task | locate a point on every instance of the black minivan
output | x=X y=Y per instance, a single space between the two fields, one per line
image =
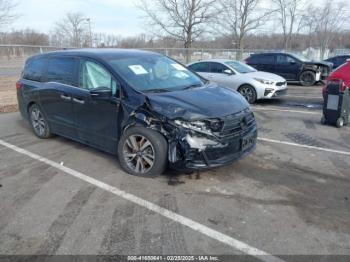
x=145 y=107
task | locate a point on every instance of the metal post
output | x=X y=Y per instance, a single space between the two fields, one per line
x=90 y=32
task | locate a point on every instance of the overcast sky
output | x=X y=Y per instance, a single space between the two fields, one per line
x=119 y=17
x=110 y=16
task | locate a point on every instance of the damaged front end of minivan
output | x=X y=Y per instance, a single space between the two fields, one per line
x=196 y=139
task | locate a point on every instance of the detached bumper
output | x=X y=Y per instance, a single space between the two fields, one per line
x=224 y=152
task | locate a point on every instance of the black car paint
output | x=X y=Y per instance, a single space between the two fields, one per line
x=291 y=71
x=337 y=60
x=214 y=102
x=158 y=111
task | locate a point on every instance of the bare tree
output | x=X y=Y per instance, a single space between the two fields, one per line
x=73 y=30
x=7 y=14
x=330 y=20
x=308 y=24
x=289 y=15
x=240 y=18
x=183 y=20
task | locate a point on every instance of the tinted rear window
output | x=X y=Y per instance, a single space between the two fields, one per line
x=200 y=67
x=262 y=59
x=61 y=70
x=34 y=69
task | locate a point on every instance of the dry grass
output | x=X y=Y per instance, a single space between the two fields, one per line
x=8 y=99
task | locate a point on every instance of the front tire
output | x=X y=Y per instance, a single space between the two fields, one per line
x=142 y=152
x=340 y=122
x=307 y=78
x=249 y=93
x=38 y=122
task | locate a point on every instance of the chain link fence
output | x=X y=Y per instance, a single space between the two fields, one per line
x=24 y=51
x=12 y=57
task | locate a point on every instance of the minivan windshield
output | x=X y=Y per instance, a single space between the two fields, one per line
x=240 y=67
x=154 y=73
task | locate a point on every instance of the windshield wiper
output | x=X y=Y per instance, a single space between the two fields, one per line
x=156 y=90
x=192 y=86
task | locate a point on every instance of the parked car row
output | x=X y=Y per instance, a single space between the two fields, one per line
x=252 y=84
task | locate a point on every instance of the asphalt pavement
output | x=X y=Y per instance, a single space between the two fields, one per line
x=290 y=197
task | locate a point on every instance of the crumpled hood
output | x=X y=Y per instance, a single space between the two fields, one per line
x=206 y=102
x=265 y=76
x=320 y=63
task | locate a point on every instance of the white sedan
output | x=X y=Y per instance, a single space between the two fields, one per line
x=252 y=84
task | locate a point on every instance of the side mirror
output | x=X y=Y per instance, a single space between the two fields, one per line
x=228 y=72
x=101 y=93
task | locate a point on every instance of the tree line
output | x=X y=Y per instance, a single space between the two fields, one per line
x=238 y=24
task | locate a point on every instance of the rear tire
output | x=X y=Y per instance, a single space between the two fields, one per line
x=307 y=78
x=248 y=92
x=142 y=152
x=323 y=120
x=38 y=122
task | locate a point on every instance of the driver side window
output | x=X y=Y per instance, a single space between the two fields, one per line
x=290 y=59
x=218 y=68
x=284 y=59
x=93 y=75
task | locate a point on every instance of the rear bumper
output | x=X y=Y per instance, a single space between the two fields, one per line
x=21 y=105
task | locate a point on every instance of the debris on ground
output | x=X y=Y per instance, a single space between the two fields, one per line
x=174 y=181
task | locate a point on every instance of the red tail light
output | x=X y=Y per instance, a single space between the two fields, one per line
x=19 y=85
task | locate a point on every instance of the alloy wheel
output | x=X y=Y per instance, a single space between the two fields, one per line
x=38 y=121
x=247 y=92
x=138 y=153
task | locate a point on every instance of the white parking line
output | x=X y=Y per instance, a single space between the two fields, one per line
x=230 y=241
x=285 y=110
x=304 y=146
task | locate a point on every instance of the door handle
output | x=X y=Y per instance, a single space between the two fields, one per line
x=79 y=101
x=65 y=97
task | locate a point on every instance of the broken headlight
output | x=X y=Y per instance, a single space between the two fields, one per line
x=216 y=125
x=204 y=126
x=199 y=126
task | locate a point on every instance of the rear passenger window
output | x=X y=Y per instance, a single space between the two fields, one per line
x=200 y=67
x=252 y=59
x=61 y=70
x=34 y=69
x=267 y=59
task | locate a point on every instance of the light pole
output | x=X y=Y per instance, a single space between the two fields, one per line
x=90 y=32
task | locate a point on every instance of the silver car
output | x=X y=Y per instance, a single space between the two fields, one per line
x=252 y=84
